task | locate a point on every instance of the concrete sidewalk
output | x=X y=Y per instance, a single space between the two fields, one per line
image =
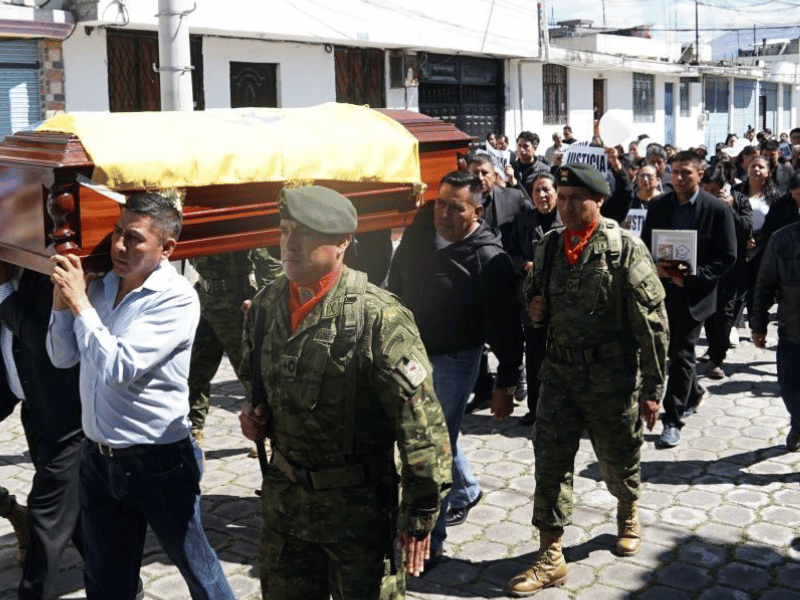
x=721 y=512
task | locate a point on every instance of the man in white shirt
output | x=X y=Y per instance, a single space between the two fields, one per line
x=132 y=332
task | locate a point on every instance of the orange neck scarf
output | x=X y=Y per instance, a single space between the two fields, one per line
x=576 y=241
x=302 y=299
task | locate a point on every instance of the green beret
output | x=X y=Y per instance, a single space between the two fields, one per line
x=583 y=175
x=319 y=208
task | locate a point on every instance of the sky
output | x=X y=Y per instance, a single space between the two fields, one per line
x=680 y=14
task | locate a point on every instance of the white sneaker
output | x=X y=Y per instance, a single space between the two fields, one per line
x=733 y=338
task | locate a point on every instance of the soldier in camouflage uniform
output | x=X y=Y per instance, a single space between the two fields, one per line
x=605 y=366
x=223 y=285
x=339 y=376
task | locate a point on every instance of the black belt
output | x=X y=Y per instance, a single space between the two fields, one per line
x=129 y=451
x=590 y=354
x=221 y=286
x=331 y=478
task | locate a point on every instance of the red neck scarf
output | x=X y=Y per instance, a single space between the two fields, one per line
x=576 y=241
x=302 y=299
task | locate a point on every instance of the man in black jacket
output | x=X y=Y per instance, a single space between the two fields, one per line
x=691 y=298
x=779 y=276
x=451 y=271
x=501 y=205
x=51 y=416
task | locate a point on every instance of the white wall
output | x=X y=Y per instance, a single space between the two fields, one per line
x=86 y=70
x=503 y=28
x=305 y=71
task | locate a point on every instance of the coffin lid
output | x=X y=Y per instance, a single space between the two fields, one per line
x=332 y=141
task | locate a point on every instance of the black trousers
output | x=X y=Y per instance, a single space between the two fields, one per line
x=718 y=326
x=683 y=389
x=535 y=346
x=53 y=509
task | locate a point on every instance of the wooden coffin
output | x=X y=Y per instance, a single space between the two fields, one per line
x=44 y=209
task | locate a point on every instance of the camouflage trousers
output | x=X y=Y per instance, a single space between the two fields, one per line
x=616 y=433
x=219 y=331
x=350 y=569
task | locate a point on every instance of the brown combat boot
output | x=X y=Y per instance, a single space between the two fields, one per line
x=629 y=532
x=548 y=569
x=19 y=521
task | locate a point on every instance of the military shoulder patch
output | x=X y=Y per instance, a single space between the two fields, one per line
x=413 y=370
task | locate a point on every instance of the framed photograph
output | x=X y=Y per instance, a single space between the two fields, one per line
x=678 y=246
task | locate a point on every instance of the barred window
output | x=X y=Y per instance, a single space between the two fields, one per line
x=554 y=85
x=644 y=95
x=684 y=97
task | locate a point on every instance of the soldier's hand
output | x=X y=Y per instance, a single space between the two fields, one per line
x=649 y=410
x=417 y=551
x=502 y=404
x=760 y=340
x=253 y=422
x=537 y=309
x=246 y=304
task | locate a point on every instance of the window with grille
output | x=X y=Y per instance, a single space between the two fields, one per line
x=644 y=98
x=554 y=87
x=684 y=97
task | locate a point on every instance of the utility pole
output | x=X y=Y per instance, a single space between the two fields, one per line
x=696 y=33
x=175 y=68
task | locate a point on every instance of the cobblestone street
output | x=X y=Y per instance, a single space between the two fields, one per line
x=721 y=512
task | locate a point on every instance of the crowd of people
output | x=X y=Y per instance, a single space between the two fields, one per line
x=357 y=383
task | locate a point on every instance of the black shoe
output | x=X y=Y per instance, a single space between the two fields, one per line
x=793 y=440
x=527 y=419
x=457 y=516
x=521 y=392
x=480 y=400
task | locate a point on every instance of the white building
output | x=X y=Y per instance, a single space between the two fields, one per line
x=486 y=66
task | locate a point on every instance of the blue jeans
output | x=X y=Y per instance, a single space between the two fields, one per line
x=787 y=357
x=454 y=377
x=119 y=497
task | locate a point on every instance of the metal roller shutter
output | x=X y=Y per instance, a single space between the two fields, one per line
x=744 y=105
x=20 y=103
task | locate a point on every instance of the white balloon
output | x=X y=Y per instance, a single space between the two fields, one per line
x=615 y=127
x=740 y=144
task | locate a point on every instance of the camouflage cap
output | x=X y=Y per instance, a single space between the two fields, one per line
x=319 y=208
x=583 y=175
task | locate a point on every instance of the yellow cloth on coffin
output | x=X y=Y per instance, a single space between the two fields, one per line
x=150 y=150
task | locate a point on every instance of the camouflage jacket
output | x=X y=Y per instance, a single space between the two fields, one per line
x=609 y=307
x=239 y=265
x=305 y=379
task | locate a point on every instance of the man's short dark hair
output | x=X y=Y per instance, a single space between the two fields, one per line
x=655 y=149
x=770 y=144
x=527 y=135
x=164 y=214
x=794 y=181
x=503 y=137
x=462 y=179
x=795 y=130
x=567 y=128
x=689 y=156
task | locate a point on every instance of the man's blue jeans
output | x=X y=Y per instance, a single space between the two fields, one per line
x=787 y=357
x=119 y=497
x=454 y=376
